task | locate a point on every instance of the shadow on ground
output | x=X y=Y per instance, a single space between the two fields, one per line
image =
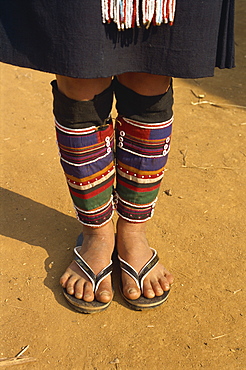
x=45 y=227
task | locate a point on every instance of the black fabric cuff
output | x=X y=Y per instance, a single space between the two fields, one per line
x=148 y=109
x=81 y=114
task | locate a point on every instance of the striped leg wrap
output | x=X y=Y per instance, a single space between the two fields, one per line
x=143 y=134
x=142 y=151
x=85 y=139
x=87 y=160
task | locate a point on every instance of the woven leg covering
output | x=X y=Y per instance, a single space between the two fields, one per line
x=85 y=138
x=143 y=134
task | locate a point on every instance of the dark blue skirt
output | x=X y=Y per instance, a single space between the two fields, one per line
x=68 y=38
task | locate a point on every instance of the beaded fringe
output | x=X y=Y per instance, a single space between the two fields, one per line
x=128 y=13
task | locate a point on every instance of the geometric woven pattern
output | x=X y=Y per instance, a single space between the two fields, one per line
x=88 y=162
x=141 y=154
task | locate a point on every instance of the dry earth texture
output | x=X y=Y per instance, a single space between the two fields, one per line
x=198 y=230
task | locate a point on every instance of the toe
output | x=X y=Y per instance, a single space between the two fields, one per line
x=169 y=277
x=70 y=285
x=164 y=284
x=130 y=289
x=104 y=296
x=104 y=292
x=87 y=294
x=64 y=278
x=79 y=288
x=166 y=280
x=156 y=286
x=148 y=290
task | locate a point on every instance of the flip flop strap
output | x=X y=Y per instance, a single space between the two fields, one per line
x=145 y=270
x=94 y=279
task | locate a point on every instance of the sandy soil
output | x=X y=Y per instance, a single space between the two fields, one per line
x=199 y=232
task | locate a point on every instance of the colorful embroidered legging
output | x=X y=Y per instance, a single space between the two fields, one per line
x=85 y=138
x=143 y=134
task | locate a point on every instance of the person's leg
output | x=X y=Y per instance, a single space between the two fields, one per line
x=85 y=140
x=144 y=104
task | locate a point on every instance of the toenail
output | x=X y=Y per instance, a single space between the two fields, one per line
x=104 y=292
x=132 y=291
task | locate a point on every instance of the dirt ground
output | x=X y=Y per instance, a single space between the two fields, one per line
x=199 y=232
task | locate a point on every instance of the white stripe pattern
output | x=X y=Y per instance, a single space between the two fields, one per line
x=75 y=131
x=149 y=126
x=97 y=209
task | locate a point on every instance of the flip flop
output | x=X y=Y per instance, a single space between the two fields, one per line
x=142 y=303
x=79 y=304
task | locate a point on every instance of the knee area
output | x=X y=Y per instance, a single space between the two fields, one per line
x=82 y=89
x=145 y=83
x=148 y=109
x=77 y=114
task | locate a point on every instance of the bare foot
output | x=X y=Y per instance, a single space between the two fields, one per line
x=97 y=249
x=133 y=247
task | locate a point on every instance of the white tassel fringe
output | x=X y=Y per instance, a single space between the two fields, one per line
x=126 y=13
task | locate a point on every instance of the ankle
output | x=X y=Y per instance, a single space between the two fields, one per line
x=124 y=226
x=105 y=229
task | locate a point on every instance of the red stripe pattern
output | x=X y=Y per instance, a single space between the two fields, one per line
x=142 y=151
x=88 y=162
